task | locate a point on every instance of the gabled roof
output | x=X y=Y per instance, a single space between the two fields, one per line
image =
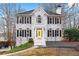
x=51 y=13
x=27 y=12
x=30 y=11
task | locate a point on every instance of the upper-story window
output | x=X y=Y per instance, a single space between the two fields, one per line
x=23 y=20
x=53 y=20
x=38 y=19
x=50 y=20
x=56 y=20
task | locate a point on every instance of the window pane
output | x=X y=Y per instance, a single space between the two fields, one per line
x=57 y=20
x=53 y=33
x=20 y=20
x=25 y=33
x=60 y=20
x=30 y=33
x=57 y=34
x=22 y=33
x=50 y=33
x=53 y=20
x=39 y=19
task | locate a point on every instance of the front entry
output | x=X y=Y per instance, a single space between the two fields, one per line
x=39 y=37
x=39 y=33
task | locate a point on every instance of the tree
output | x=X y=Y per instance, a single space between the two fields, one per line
x=8 y=12
x=72 y=16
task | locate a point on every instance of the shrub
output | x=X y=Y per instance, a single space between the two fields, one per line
x=71 y=34
x=30 y=40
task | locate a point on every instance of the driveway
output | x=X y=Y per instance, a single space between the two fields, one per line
x=61 y=44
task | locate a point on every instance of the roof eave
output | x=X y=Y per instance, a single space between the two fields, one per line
x=56 y=15
x=23 y=14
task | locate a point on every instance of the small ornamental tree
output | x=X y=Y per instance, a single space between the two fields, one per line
x=71 y=34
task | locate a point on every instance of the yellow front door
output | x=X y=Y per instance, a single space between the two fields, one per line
x=39 y=33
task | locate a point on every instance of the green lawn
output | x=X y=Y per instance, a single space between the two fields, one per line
x=21 y=47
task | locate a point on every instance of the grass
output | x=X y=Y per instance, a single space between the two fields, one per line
x=21 y=47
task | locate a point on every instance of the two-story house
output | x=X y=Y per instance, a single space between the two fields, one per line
x=40 y=25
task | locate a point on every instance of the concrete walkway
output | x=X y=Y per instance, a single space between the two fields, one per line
x=11 y=54
x=4 y=49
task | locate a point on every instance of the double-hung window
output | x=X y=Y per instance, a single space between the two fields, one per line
x=38 y=19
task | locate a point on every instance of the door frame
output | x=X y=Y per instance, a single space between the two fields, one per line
x=39 y=33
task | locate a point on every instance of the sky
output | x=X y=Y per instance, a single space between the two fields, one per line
x=29 y=6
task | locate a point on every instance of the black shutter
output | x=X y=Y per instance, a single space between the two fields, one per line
x=53 y=20
x=60 y=33
x=17 y=33
x=47 y=33
x=25 y=20
x=20 y=19
x=53 y=33
x=30 y=20
x=50 y=21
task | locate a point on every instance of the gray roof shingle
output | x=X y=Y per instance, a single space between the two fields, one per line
x=50 y=12
x=27 y=12
x=30 y=11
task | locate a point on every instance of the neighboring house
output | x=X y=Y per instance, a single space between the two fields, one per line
x=2 y=36
x=39 y=24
